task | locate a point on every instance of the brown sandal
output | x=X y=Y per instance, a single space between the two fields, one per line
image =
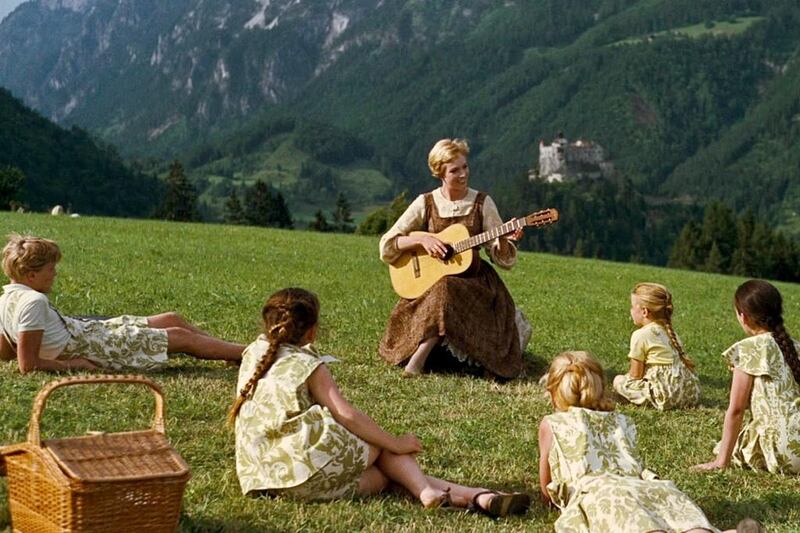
x=502 y=504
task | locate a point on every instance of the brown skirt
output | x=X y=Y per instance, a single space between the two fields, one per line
x=473 y=312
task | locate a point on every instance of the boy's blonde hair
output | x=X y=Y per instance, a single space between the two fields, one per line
x=576 y=379
x=445 y=151
x=658 y=301
x=26 y=253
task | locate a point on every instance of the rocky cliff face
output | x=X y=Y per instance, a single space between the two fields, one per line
x=144 y=71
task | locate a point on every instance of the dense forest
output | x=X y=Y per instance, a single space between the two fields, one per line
x=68 y=167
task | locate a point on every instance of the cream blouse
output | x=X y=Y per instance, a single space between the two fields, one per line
x=414 y=220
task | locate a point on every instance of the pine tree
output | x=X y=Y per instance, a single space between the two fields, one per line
x=180 y=198
x=234 y=212
x=320 y=222
x=258 y=204
x=263 y=207
x=11 y=180
x=342 y=217
x=719 y=226
x=714 y=261
x=280 y=216
x=686 y=252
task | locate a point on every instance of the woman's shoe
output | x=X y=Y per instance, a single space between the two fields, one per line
x=501 y=504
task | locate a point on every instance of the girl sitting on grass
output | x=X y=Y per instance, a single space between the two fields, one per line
x=589 y=466
x=766 y=373
x=41 y=338
x=296 y=435
x=660 y=373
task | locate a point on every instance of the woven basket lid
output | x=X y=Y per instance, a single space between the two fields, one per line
x=130 y=456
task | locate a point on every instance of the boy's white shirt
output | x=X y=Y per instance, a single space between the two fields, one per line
x=33 y=312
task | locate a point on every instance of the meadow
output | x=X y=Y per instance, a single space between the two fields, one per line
x=474 y=430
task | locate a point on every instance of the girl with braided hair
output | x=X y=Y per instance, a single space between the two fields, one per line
x=766 y=373
x=298 y=437
x=589 y=466
x=660 y=374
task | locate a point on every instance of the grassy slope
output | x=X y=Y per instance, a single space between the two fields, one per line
x=474 y=431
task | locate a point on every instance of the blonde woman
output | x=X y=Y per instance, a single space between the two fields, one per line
x=589 y=466
x=660 y=374
x=472 y=314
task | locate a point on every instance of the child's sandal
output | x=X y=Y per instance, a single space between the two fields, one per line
x=501 y=504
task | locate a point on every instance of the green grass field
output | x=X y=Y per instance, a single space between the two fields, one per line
x=474 y=431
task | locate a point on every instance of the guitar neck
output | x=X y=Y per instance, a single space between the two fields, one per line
x=486 y=236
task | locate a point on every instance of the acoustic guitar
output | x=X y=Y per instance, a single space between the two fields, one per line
x=415 y=271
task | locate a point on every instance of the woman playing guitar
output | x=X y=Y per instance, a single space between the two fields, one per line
x=472 y=314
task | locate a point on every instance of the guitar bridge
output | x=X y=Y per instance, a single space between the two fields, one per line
x=415 y=263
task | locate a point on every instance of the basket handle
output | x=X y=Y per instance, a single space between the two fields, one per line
x=41 y=399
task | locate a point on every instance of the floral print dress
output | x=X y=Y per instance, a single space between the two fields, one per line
x=287 y=444
x=599 y=484
x=770 y=440
x=664 y=385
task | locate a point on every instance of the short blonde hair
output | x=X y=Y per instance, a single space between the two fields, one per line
x=576 y=379
x=445 y=151
x=26 y=253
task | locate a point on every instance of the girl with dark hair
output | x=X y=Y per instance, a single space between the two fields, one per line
x=297 y=437
x=766 y=373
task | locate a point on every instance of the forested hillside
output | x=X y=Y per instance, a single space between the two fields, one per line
x=69 y=167
x=693 y=100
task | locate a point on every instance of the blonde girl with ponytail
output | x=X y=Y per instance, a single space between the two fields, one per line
x=660 y=374
x=298 y=437
x=766 y=378
x=589 y=466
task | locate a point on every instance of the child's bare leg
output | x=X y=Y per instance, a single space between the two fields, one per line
x=372 y=480
x=173 y=320
x=416 y=363
x=460 y=495
x=404 y=470
x=202 y=346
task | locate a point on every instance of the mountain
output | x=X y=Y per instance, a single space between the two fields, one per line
x=692 y=99
x=69 y=167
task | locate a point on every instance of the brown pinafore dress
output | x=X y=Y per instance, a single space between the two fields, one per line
x=473 y=312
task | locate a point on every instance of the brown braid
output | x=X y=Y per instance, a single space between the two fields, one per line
x=658 y=301
x=762 y=305
x=287 y=315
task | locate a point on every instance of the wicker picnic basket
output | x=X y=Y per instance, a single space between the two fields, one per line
x=129 y=481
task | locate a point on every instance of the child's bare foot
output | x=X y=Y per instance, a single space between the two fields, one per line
x=433 y=499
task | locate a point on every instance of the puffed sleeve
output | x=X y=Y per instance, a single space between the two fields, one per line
x=639 y=345
x=756 y=355
x=411 y=220
x=491 y=219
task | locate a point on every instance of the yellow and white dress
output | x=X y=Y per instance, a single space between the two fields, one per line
x=667 y=382
x=770 y=440
x=285 y=443
x=600 y=485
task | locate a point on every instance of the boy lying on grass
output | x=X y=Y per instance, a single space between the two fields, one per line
x=41 y=338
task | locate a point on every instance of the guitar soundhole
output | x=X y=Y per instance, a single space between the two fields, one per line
x=449 y=253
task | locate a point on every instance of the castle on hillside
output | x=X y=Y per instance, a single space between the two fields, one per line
x=562 y=160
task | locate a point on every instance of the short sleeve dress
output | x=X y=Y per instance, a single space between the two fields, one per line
x=770 y=440
x=285 y=443
x=599 y=484
x=667 y=382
